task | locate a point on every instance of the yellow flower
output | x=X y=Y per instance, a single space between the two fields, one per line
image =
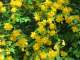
x=22 y=42
x=7 y=51
x=45 y=40
x=74 y=28
x=1 y=4
x=13 y=37
x=16 y=33
x=59 y=18
x=8 y=26
x=49 y=20
x=52 y=26
x=52 y=32
x=16 y=3
x=52 y=54
x=37 y=16
x=41 y=29
x=66 y=10
x=51 y=14
x=43 y=55
x=56 y=5
x=48 y=3
x=3 y=42
x=9 y=58
x=53 y=9
x=38 y=39
x=33 y=35
x=36 y=47
x=1 y=56
x=60 y=1
x=69 y=20
x=1 y=50
x=42 y=23
x=13 y=17
x=43 y=7
x=14 y=9
x=3 y=9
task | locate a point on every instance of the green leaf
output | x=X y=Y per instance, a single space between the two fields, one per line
x=12 y=50
x=30 y=1
x=68 y=58
x=58 y=58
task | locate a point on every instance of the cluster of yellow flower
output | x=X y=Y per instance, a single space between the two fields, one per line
x=2 y=7
x=8 y=26
x=50 y=54
x=8 y=56
x=48 y=15
x=14 y=4
x=47 y=26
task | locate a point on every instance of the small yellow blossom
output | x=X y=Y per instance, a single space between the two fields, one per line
x=36 y=47
x=14 y=9
x=59 y=18
x=49 y=20
x=16 y=33
x=13 y=37
x=51 y=33
x=53 y=9
x=41 y=29
x=51 y=13
x=46 y=41
x=74 y=28
x=33 y=35
x=13 y=17
x=3 y=42
x=48 y=3
x=1 y=4
x=52 y=26
x=56 y=5
x=8 y=26
x=3 y=9
x=7 y=51
x=38 y=39
x=43 y=55
x=37 y=16
x=43 y=7
x=66 y=10
x=16 y=3
x=52 y=54
x=1 y=50
x=49 y=42
x=60 y=1
x=43 y=23
x=9 y=58
x=69 y=20
x=1 y=56
x=22 y=42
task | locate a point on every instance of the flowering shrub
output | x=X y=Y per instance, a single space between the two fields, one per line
x=39 y=30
